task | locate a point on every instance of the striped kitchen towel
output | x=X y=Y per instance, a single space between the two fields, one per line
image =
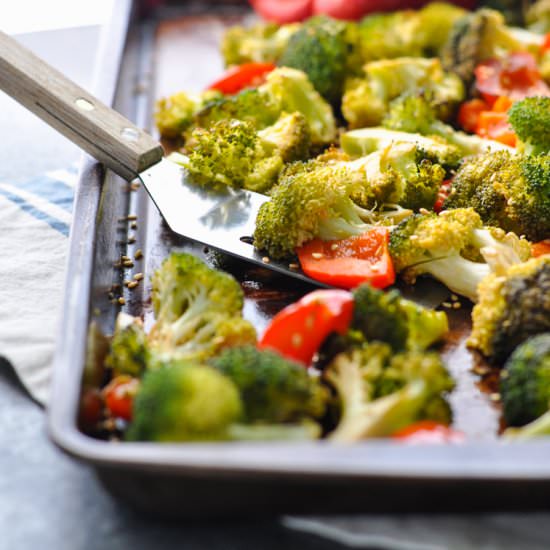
x=35 y=218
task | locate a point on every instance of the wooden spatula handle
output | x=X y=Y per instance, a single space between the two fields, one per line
x=100 y=131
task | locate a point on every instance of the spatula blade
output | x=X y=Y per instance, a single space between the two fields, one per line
x=223 y=219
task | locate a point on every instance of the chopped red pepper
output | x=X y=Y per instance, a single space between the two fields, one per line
x=119 y=395
x=347 y=263
x=299 y=329
x=429 y=431
x=541 y=248
x=494 y=125
x=443 y=193
x=240 y=76
x=469 y=112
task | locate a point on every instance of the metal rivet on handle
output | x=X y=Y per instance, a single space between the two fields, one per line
x=84 y=104
x=130 y=134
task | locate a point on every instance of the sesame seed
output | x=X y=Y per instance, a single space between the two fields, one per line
x=138 y=276
x=457 y=305
x=139 y=254
x=413 y=237
x=126 y=283
x=133 y=284
x=265 y=260
x=128 y=263
x=121 y=301
x=494 y=397
x=131 y=239
x=110 y=295
x=293 y=266
x=447 y=304
x=316 y=255
x=424 y=211
x=131 y=217
x=454 y=297
x=135 y=185
x=125 y=258
x=334 y=246
x=133 y=225
x=481 y=370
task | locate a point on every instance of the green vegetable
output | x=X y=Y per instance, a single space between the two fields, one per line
x=175 y=114
x=530 y=119
x=128 y=353
x=512 y=307
x=415 y=113
x=381 y=393
x=525 y=381
x=184 y=401
x=321 y=49
x=262 y=42
x=508 y=191
x=198 y=311
x=366 y=100
x=390 y=318
x=273 y=389
x=454 y=248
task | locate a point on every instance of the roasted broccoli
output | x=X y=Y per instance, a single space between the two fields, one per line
x=537 y=16
x=333 y=199
x=273 y=389
x=258 y=43
x=364 y=141
x=512 y=307
x=380 y=393
x=530 y=119
x=414 y=113
x=322 y=48
x=390 y=318
x=525 y=381
x=129 y=352
x=454 y=248
x=366 y=100
x=198 y=311
x=406 y=33
x=184 y=401
x=291 y=91
x=482 y=35
x=175 y=113
x=508 y=191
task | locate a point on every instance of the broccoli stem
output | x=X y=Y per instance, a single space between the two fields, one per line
x=381 y=417
x=459 y=275
x=537 y=428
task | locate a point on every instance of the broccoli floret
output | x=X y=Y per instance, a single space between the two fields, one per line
x=508 y=191
x=129 y=353
x=198 y=311
x=333 y=199
x=414 y=113
x=175 y=113
x=366 y=100
x=380 y=394
x=525 y=381
x=230 y=153
x=273 y=389
x=479 y=36
x=263 y=42
x=184 y=401
x=363 y=141
x=454 y=248
x=537 y=17
x=530 y=119
x=250 y=106
x=321 y=49
x=390 y=318
x=406 y=33
x=388 y=35
x=291 y=91
x=289 y=137
x=512 y=307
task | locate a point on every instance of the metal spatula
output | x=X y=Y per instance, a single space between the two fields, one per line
x=223 y=220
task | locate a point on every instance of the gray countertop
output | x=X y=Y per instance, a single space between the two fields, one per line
x=48 y=501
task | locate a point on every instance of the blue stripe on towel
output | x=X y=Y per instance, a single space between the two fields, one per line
x=52 y=190
x=63 y=228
